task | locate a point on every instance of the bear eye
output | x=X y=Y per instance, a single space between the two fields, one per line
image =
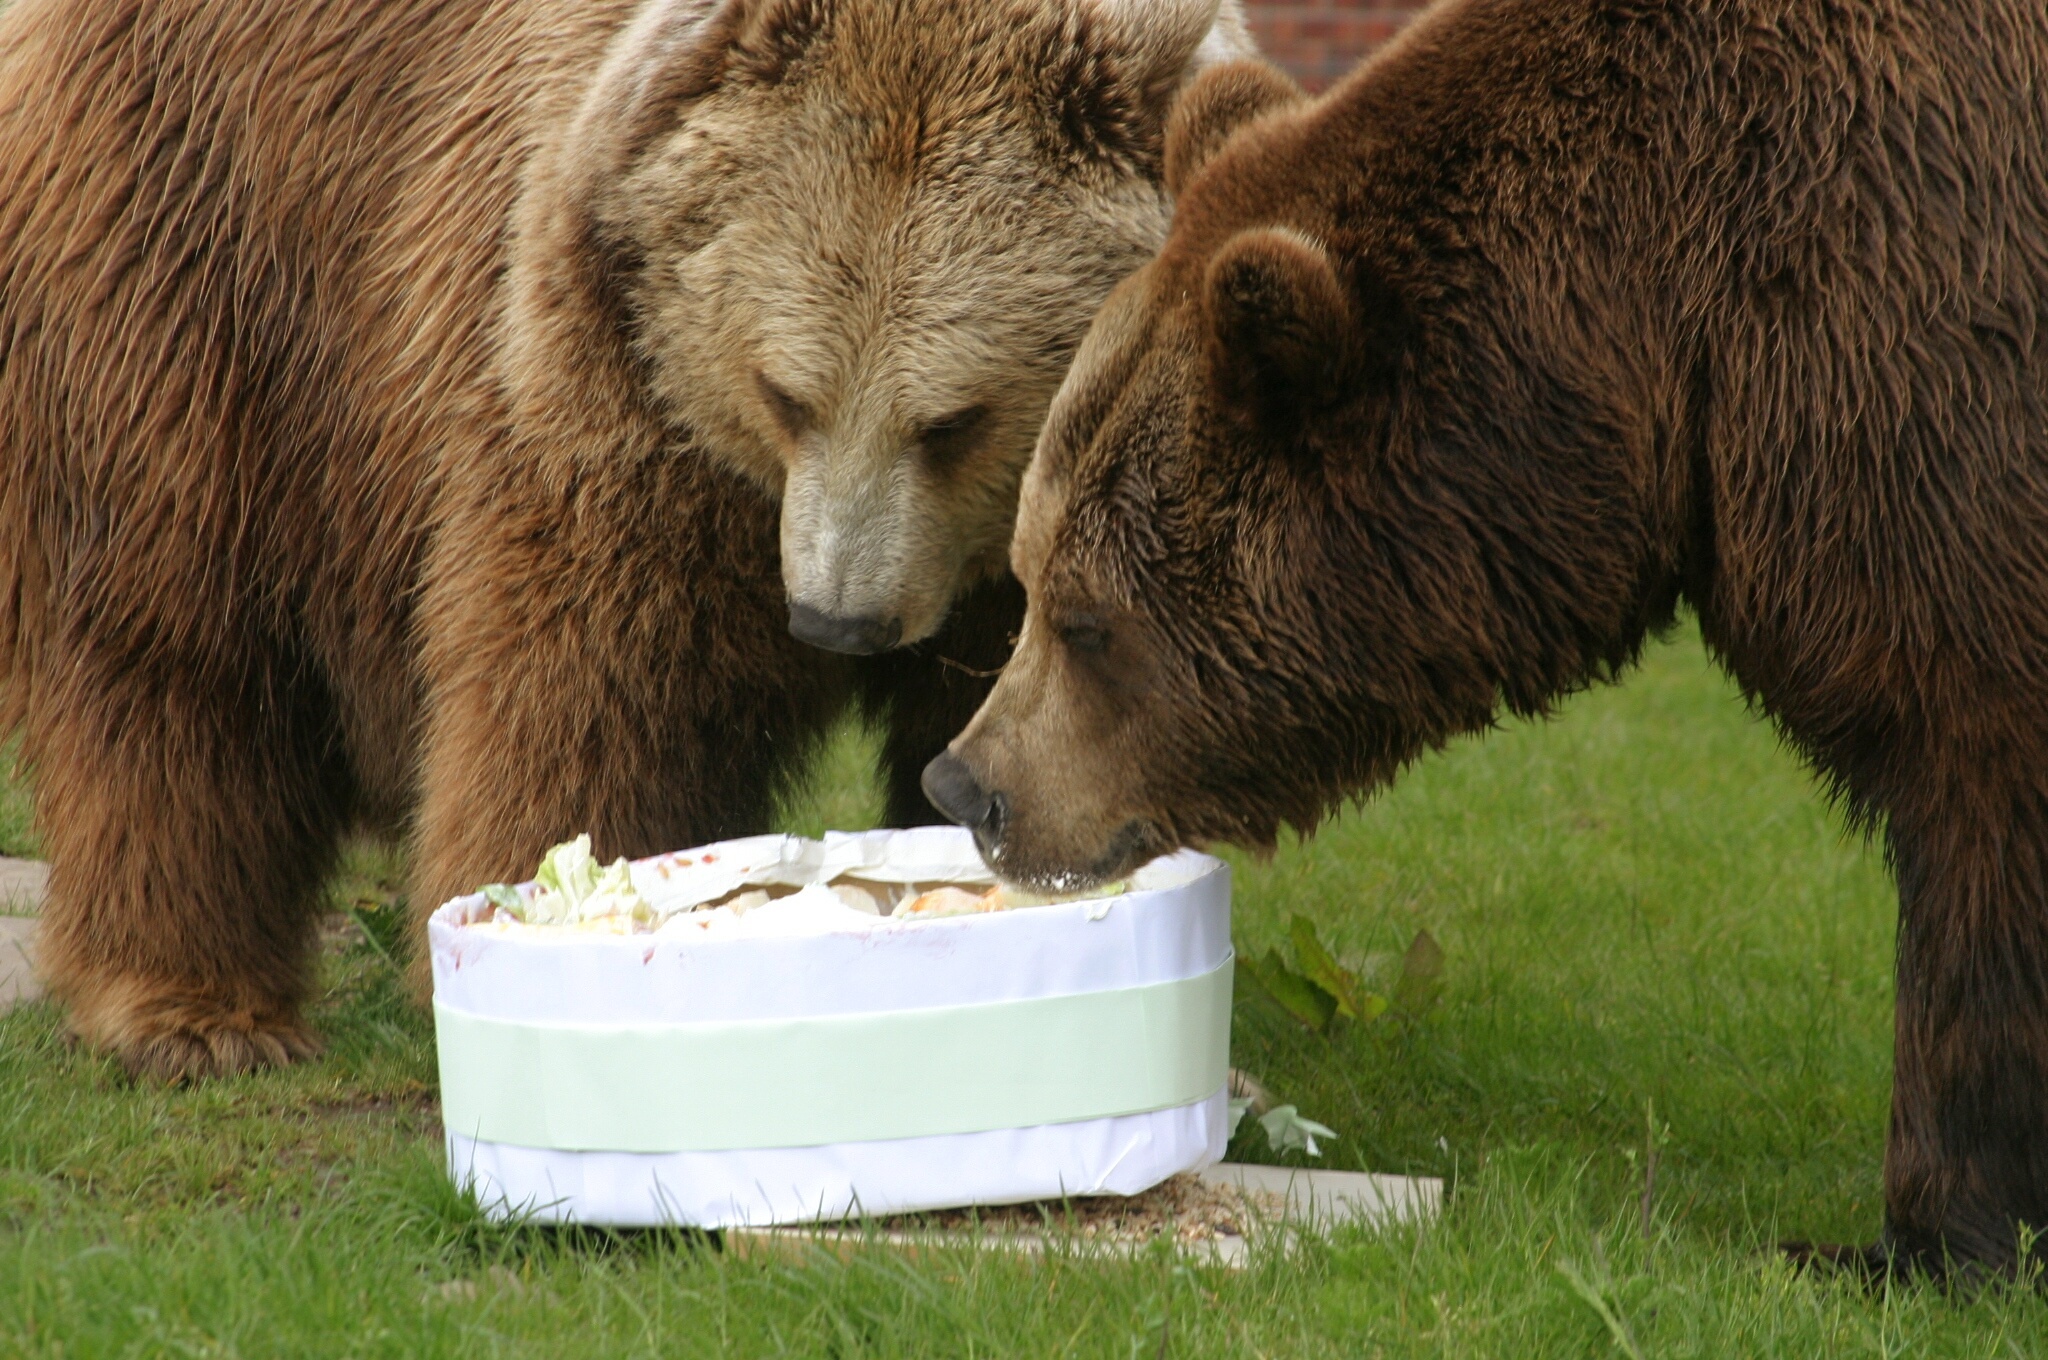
x=952 y=437
x=792 y=415
x=1084 y=633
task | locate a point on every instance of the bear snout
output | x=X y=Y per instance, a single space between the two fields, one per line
x=854 y=635
x=954 y=791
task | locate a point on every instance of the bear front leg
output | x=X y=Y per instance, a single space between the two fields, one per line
x=1966 y=1162
x=623 y=669
x=923 y=695
x=190 y=821
x=530 y=745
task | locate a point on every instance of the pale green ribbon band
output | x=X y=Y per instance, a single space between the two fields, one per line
x=711 y=1086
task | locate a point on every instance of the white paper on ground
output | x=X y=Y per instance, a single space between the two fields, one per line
x=1175 y=923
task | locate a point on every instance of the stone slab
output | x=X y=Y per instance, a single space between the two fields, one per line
x=22 y=882
x=1316 y=1201
x=1325 y=1199
x=17 y=970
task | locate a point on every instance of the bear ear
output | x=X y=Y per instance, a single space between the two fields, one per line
x=675 y=52
x=1280 y=327
x=1112 y=71
x=1220 y=101
x=1167 y=42
x=772 y=37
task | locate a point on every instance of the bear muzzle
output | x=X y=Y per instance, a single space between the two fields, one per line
x=956 y=793
x=855 y=636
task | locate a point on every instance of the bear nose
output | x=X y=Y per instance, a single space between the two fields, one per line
x=955 y=791
x=837 y=633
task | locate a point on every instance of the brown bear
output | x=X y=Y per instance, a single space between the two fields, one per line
x=1450 y=387
x=447 y=418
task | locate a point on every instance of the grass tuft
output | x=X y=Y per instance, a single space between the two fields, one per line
x=17 y=818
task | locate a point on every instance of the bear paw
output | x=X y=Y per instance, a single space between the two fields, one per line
x=1878 y=1264
x=1871 y=1263
x=183 y=1038
x=225 y=1047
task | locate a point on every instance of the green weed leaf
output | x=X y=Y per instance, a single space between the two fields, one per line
x=1296 y=995
x=1322 y=968
x=1320 y=989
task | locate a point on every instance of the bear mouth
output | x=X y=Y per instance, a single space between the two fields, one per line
x=1135 y=843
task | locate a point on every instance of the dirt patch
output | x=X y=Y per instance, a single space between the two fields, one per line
x=1193 y=1210
x=402 y=1104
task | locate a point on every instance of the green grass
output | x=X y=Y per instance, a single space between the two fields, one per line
x=17 y=837
x=1642 y=901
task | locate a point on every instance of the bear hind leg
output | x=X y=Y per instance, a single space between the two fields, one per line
x=189 y=828
x=1966 y=1158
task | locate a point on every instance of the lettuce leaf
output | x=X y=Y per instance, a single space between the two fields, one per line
x=1287 y=1130
x=573 y=888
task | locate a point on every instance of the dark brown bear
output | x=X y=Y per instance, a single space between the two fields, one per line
x=1449 y=388
x=437 y=415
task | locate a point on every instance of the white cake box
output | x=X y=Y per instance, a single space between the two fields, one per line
x=719 y=1079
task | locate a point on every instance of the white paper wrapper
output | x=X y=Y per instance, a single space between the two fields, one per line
x=1169 y=935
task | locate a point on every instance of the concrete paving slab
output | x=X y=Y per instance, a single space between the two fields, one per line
x=17 y=968
x=1316 y=1200
x=22 y=882
x=1324 y=1199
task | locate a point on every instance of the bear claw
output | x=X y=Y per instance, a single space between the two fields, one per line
x=1882 y=1263
x=179 y=1056
x=1870 y=1263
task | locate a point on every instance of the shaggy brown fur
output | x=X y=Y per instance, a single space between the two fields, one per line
x=1448 y=388
x=385 y=406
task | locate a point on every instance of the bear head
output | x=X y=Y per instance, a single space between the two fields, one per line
x=847 y=248
x=1211 y=651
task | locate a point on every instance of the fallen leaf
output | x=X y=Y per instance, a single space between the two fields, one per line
x=1421 y=975
x=1287 y=1130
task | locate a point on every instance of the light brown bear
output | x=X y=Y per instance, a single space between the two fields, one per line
x=1448 y=388
x=397 y=398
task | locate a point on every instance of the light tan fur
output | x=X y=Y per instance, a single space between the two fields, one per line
x=386 y=439
x=898 y=262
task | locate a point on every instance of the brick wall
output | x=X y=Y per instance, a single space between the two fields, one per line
x=1319 y=40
